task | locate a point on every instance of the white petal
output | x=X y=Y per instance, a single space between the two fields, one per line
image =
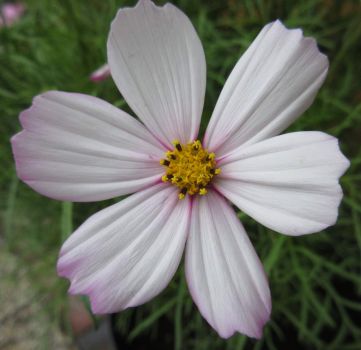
x=225 y=276
x=274 y=82
x=126 y=254
x=288 y=183
x=80 y=148
x=157 y=61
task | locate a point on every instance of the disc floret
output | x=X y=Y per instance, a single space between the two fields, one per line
x=189 y=167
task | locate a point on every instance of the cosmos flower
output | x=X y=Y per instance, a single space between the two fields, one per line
x=10 y=13
x=79 y=148
x=100 y=74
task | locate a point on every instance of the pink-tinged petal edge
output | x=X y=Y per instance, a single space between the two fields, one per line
x=289 y=183
x=157 y=62
x=224 y=275
x=126 y=254
x=272 y=84
x=79 y=148
x=102 y=73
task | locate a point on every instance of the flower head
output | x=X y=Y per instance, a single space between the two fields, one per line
x=10 y=13
x=190 y=168
x=80 y=148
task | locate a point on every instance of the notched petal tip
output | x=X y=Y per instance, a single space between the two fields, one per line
x=289 y=183
x=255 y=334
x=345 y=163
x=77 y=147
x=118 y=269
x=225 y=277
x=273 y=83
x=37 y=100
x=132 y=9
x=157 y=62
x=300 y=36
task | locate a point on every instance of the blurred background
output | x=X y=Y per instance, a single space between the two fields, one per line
x=315 y=280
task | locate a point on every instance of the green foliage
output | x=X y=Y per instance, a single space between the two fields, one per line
x=315 y=280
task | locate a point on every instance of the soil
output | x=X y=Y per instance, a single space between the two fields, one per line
x=24 y=324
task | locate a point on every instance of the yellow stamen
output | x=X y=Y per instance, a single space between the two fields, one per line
x=164 y=162
x=189 y=167
x=211 y=156
x=203 y=191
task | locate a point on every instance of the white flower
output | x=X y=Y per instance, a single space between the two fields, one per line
x=80 y=148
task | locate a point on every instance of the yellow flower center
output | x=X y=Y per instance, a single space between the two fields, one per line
x=189 y=167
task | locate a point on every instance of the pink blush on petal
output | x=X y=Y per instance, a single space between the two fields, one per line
x=102 y=73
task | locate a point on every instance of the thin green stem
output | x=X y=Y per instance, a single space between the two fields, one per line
x=178 y=329
x=66 y=220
